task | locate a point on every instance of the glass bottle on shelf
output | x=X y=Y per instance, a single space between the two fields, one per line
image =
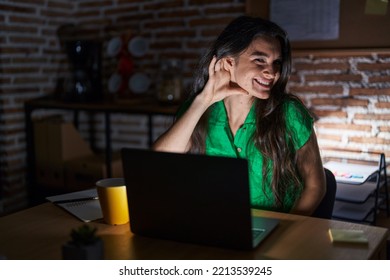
x=170 y=85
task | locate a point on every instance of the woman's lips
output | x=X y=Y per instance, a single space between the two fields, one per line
x=263 y=83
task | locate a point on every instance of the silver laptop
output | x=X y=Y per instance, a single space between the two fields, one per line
x=192 y=198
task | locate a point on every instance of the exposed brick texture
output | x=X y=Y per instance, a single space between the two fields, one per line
x=347 y=90
x=350 y=100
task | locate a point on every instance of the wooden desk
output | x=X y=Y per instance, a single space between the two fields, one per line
x=39 y=232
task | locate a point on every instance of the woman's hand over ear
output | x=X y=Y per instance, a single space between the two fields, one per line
x=219 y=85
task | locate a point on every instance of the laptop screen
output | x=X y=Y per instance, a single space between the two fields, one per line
x=186 y=197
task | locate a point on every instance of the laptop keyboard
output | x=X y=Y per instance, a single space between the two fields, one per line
x=256 y=232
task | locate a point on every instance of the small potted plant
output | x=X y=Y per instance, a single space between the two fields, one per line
x=84 y=245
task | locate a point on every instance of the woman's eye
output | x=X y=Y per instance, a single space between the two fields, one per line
x=278 y=62
x=260 y=60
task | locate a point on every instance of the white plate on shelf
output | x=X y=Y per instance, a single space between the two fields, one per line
x=138 y=46
x=114 y=46
x=114 y=83
x=139 y=83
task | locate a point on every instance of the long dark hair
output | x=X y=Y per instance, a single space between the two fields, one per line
x=270 y=137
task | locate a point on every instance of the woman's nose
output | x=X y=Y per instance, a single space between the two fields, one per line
x=270 y=71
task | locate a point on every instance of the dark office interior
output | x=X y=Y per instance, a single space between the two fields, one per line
x=131 y=49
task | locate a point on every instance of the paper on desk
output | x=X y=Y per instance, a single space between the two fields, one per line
x=86 y=211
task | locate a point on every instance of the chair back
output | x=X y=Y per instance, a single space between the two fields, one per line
x=325 y=208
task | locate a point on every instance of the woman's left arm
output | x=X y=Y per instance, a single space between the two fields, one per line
x=313 y=176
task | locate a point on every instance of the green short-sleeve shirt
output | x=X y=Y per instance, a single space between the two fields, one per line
x=220 y=142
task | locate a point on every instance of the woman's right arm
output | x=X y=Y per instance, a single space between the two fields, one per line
x=178 y=137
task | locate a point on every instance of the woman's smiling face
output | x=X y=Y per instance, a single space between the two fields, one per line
x=257 y=69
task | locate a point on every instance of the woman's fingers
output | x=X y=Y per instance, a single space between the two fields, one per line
x=218 y=65
x=219 y=84
x=215 y=66
x=212 y=66
x=224 y=86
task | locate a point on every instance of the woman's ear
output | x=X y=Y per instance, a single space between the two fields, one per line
x=228 y=63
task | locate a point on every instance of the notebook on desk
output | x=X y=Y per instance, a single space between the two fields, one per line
x=84 y=204
x=192 y=198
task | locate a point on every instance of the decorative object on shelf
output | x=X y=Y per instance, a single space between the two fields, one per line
x=126 y=81
x=138 y=46
x=83 y=83
x=84 y=245
x=114 y=83
x=170 y=84
x=114 y=46
x=139 y=83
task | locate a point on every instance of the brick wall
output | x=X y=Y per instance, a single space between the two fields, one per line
x=348 y=91
x=29 y=60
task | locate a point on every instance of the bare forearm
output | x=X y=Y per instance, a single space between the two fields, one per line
x=177 y=138
x=309 y=200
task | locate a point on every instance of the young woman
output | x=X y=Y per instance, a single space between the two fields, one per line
x=239 y=107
